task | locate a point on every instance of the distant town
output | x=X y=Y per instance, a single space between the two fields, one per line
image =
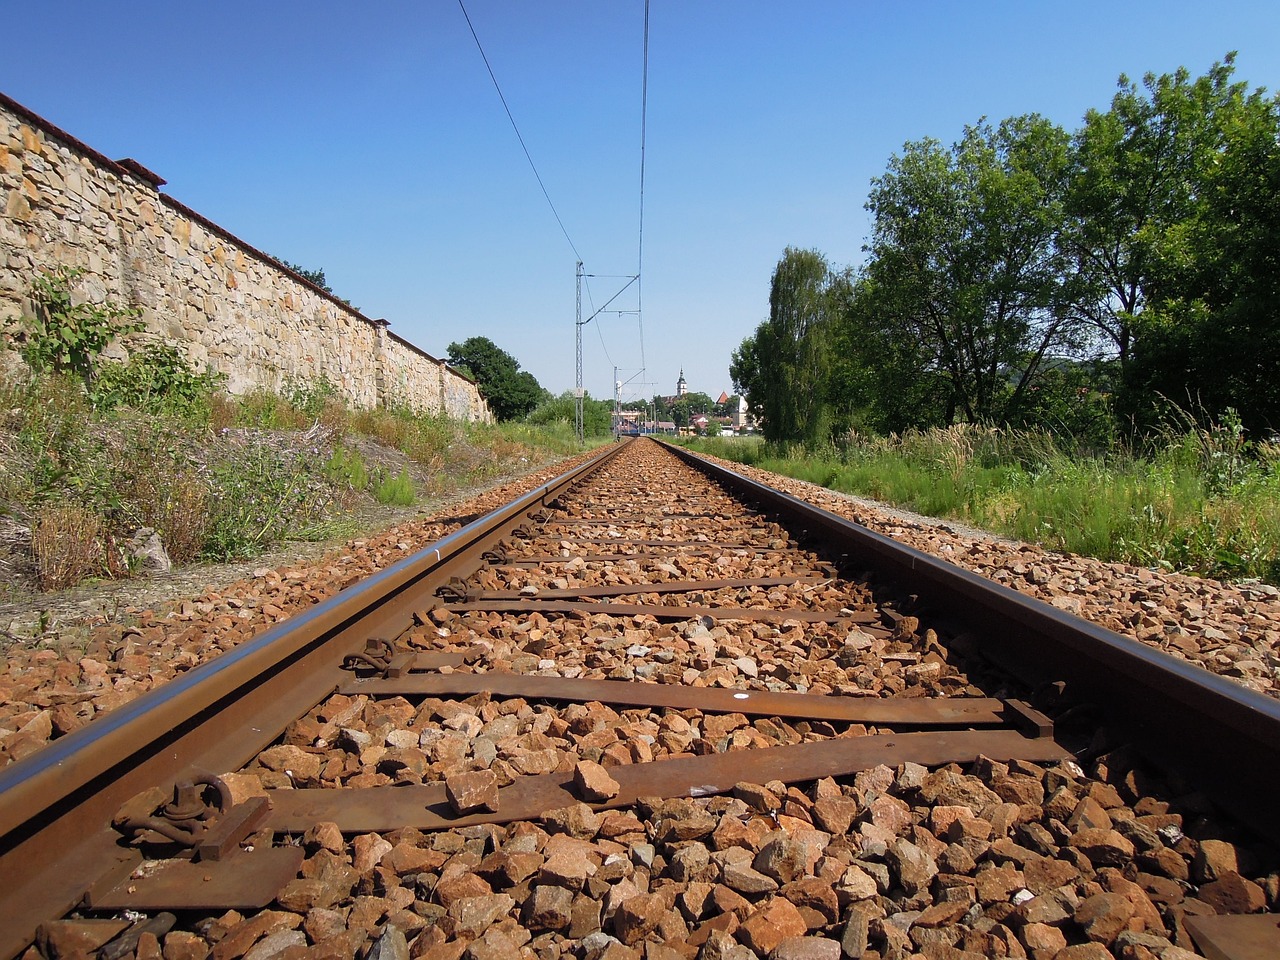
x=685 y=413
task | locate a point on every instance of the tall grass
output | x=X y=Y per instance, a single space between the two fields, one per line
x=1203 y=500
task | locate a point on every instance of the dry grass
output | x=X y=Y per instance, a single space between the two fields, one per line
x=68 y=543
x=184 y=519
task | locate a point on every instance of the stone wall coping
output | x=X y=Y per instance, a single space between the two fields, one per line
x=422 y=353
x=124 y=171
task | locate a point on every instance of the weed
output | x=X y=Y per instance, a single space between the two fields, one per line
x=397 y=490
x=341 y=528
x=259 y=497
x=173 y=499
x=1206 y=503
x=346 y=468
x=68 y=337
x=67 y=541
x=310 y=397
x=160 y=380
x=269 y=411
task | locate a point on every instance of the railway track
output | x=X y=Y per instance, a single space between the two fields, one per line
x=654 y=709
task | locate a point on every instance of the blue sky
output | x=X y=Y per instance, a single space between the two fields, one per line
x=368 y=140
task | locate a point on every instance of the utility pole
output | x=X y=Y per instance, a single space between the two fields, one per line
x=577 y=392
x=617 y=413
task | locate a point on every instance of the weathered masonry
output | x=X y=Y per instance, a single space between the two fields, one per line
x=231 y=307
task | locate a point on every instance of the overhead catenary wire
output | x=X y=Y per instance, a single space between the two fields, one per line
x=516 y=128
x=644 y=101
x=644 y=122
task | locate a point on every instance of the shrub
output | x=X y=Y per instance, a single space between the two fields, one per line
x=158 y=379
x=269 y=411
x=63 y=455
x=67 y=337
x=67 y=540
x=346 y=468
x=160 y=487
x=317 y=400
x=396 y=490
x=258 y=497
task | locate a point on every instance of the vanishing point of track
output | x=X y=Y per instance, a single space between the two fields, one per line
x=656 y=707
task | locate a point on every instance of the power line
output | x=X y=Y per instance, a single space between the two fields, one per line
x=644 y=122
x=600 y=333
x=528 y=157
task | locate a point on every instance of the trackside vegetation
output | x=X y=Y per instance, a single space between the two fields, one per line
x=1093 y=283
x=1203 y=501
x=1065 y=336
x=95 y=448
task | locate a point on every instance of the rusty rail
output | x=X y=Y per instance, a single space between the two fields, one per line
x=1222 y=736
x=56 y=807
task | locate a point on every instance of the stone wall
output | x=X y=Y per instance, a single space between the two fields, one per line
x=231 y=307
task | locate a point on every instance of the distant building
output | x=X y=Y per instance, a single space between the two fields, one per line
x=681 y=387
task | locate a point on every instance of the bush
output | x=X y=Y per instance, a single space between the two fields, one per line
x=317 y=400
x=259 y=497
x=346 y=468
x=67 y=541
x=160 y=486
x=266 y=410
x=68 y=337
x=157 y=379
x=63 y=456
x=397 y=490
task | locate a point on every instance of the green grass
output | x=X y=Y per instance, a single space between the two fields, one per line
x=1202 y=502
x=394 y=489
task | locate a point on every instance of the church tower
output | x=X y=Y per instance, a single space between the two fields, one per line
x=681 y=387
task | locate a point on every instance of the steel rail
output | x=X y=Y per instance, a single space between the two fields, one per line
x=56 y=806
x=1224 y=737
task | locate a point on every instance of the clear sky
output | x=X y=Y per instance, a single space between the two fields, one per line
x=368 y=140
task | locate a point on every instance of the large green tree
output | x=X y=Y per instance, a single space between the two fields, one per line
x=1138 y=175
x=1195 y=177
x=1027 y=276
x=965 y=263
x=509 y=391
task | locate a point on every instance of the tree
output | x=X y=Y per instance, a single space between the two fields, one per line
x=1138 y=172
x=1197 y=174
x=314 y=276
x=509 y=391
x=725 y=409
x=880 y=380
x=965 y=264
x=782 y=368
x=744 y=369
x=596 y=414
